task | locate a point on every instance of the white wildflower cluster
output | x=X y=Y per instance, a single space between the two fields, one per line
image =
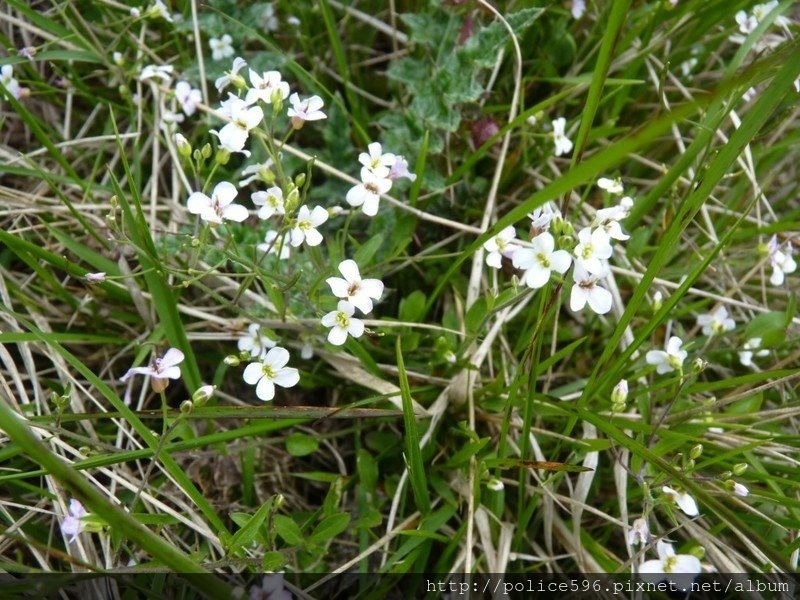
x=379 y=170
x=355 y=293
x=547 y=253
x=747 y=22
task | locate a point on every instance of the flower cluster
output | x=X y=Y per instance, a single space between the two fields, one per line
x=379 y=170
x=590 y=252
x=355 y=293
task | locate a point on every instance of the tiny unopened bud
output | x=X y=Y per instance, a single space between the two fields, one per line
x=232 y=360
x=689 y=465
x=277 y=101
x=292 y=200
x=696 y=451
x=300 y=180
x=203 y=394
x=658 y=301
x=763 y=249
x=726 y=475
x=136 y=13
x=186 y=407
x=495 y=485
x=740 y=468
x=119 y=60
x=183 y=145
x=206 y=151
x=95 y=277
x=222 y=156
x=278 y=502
x=740 y=490
x=197 y=155
x=699 y=365
x=619 y=395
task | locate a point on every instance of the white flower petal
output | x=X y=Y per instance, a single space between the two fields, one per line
x=253 y=372
x=265 y=389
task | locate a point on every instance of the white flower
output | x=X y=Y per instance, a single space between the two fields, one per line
x=608 y=219
x=593 y=248
x=187 y=97
x=305 y=228
x=670 y=563
x=359 y=292
x=219 y=207
x=612 y=186
x=669 y=359
x=747 y=23
x=71 y=525
x=684 y=501
x=797 y=85
x=7 y=81
x=159 y=10
x=688 y=66
x=258 y=171
x=782 y=262
x=269 y=371
x=272 y=587
x=231 y=76
x=376 y=161
x=716 y=322
x=305 y=110
x=266 y=86
x=255 y=342
x=540 y=260
x=95 y=277
x=746 y=353
x=162 y=72
x=268 y=20
x=585 y=289
x=367 y=193
x=162 y=368
x=500 y=245
x=271 y=202
x=740 y=490
x=342 y=323
x=399 y=169
x=221 y=47
x=760 y=11
x=275 y=245
x=541 y=218
x=233 y=136
x=639 y=533
x=562 y=142
x=578 y=8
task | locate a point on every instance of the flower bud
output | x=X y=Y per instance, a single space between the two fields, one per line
x=119 y=60
x=699 y=365
x=292 y=200
x=222 y=156
x=739 y=489
x=277 y=101
x=495 y=485
x=740 y=468
x=238 y=81
x=95 y=277
x=300 y=180
x=278 y=502
x=657 y=301
x=197 y=155
x=186 y=407
x=183 y=145
x=696 y=451
x=232 y=360
x=206 y=151
x=203 y=394
x=619 y=395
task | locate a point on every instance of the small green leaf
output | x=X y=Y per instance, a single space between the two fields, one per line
x=273 y=561
x=412 y=307
x=288 y=530
x=300 y=444
x=249 y=530
x=329 y=528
